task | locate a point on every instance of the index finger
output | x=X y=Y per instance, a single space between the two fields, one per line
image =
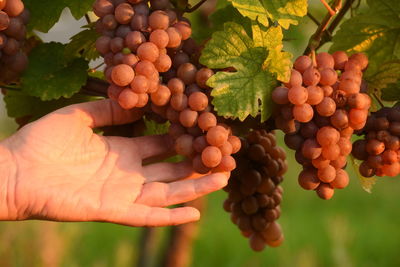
x=102 y=113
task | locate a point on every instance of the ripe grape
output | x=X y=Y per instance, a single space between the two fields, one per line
x=327 y=174
x=296 y=95
x=162 y=96
x=160 y=38
x=303 y=113
x=315 y=95
x=159 y=20
x=124 y=13
x=163 y=63
x=211 y=156
x=140 y=84
x=184 y=145
x=179 y=102
x=308 y=179
x=148 y=51
x=187 y=73
x=280 y=95
x=188 y=118
x=217 y=136
x=206 y=121
x=325 y=60
x=302 y=63
x=198 y=101
x=128 y=99
x=311 y=76
x=327 y=107
x=122 y=75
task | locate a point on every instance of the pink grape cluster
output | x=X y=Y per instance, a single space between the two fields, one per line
x=13 y=20
x=319 y=109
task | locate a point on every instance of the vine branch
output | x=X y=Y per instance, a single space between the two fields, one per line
x=317 y=36
x=342 y=12
x=195 y=7
x=313 y=18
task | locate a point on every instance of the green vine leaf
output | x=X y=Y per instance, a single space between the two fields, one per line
x=284 y=12
x=383 y=81
x=247 y=90
x=83 y=45
x=375 y=32
x=46 y=13
x=229 y=14
x=391 y=92
x=50 y=75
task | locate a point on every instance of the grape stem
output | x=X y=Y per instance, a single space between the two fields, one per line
x=378 y=100
x=313 y=19
x=342 y=12
x=195 y=7
x=331 y=11
x=316 y=38
x=95 y=87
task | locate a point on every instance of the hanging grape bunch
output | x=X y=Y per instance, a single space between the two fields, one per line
x=319 y=109
x=380 y=149
x=254 y=194
x=13 y=20
x=139 y=41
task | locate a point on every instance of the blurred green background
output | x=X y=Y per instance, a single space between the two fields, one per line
x=353 y=229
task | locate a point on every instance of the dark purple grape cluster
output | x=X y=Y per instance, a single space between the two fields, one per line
x=152 y=63
x=319 y=109
x=380 y=148
x=254 y=194
x=13 y=20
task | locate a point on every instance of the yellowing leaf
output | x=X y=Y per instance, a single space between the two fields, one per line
x=284 y=12
x=278 y=61
x=366 y=183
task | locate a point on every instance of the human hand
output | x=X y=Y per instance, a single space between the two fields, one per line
x=65 y=172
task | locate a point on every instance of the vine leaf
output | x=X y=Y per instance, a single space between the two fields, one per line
x=375 y=32
x=284 y=12
x=19 y=104
x=50 y=75
x=383 y=81
x=391 y=92
x=366 y=183
x=83 y=44
x=278 y=61
x=46 y=13
x=247 y=90
x=229 y=14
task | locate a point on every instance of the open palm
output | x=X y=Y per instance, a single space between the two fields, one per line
x=66 y=172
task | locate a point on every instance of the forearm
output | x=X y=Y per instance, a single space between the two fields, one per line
x=7 y=184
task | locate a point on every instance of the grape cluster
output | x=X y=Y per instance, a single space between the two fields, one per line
x=254 y=194
x=153 y=63
x=13 y=60
x=319 y=109
x=380 y=149
x=136 y=41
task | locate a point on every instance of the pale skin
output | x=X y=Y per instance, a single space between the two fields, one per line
x=58 y=169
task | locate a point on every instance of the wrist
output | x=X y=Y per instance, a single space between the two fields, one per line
x=7 y=183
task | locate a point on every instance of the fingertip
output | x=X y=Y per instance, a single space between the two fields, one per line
x=219 y=180
x=185 y=215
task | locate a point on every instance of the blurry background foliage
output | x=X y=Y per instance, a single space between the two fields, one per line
x=353 y=229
